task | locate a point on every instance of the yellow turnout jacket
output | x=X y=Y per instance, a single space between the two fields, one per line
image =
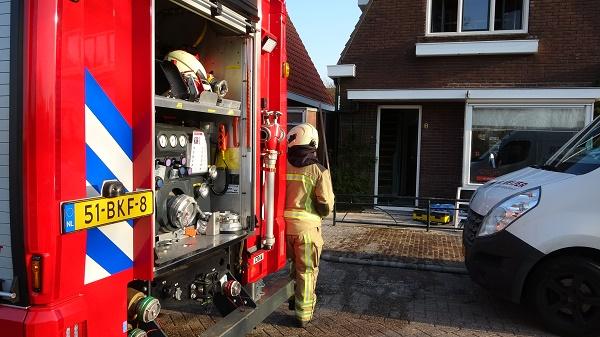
x=309 y=197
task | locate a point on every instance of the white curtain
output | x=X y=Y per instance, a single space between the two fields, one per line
x=529 y=118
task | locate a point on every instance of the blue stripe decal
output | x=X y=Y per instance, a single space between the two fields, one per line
x=100 y=247
x=106 y=112
x=106 y=253
x=97 y=172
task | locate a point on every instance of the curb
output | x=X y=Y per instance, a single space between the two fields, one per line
x=395 y=264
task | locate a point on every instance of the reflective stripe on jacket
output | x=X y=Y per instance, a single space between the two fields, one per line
x=309 y=197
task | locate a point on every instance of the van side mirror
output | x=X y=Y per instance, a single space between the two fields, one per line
x=493 y=160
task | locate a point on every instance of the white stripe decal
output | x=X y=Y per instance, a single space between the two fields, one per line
x=107 y=149
x=90 y=190
x=93 y=271
x=121 y=234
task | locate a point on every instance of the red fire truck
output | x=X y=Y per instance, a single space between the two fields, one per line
x=143 y=163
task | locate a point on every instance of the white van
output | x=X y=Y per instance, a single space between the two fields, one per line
x=534 y=236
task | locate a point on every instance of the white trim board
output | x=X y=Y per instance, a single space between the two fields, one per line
x=312 y=102
x=502 y=47
x=408 y=94
x=584 y=94
x=341 y=70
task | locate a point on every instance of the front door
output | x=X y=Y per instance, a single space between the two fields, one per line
x=398 y=152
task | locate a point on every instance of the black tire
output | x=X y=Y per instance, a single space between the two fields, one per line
x=565 y=292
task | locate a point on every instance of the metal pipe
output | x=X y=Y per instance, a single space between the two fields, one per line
x=271 y=137
x=10 y=296
x=270 y=160
x=428 y=214
x=401 y=225
x=334 y=213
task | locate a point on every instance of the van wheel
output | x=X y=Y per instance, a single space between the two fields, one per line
x=566 y=295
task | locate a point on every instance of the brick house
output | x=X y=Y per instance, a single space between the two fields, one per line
x=440 y=94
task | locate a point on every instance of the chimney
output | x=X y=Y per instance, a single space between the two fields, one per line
x=362 y=4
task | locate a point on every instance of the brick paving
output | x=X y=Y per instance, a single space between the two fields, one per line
x=375 y=301
x=391 y=243
x=358 y=300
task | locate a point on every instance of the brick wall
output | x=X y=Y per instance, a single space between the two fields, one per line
x=441 y=149
x=383 y=49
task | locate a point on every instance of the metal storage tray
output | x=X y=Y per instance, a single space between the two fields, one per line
x=191 y=248
x=225 y=107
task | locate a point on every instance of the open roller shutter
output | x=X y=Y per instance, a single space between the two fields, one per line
x=6 y=266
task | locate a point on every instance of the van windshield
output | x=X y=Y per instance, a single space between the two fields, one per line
x=580 y=155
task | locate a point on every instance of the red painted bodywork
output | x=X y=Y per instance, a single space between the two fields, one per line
x=273 y=88
x=113 y=39
x=62 y=38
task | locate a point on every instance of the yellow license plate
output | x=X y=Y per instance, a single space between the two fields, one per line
x=90 y=213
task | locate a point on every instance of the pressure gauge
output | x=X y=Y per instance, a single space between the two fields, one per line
x=183 y=141
x=173 y=140
x=162 y=141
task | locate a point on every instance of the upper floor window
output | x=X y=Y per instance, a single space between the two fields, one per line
x=477 y=16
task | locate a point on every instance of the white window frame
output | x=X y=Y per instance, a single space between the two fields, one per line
x=490 y=31
x=468 y=129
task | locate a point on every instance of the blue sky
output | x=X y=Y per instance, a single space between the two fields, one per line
x=324 y=26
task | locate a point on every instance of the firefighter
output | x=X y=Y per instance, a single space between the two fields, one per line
x=309 y=198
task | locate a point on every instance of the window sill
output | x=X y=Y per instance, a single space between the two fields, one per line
x=499 y=47
x=478 y=33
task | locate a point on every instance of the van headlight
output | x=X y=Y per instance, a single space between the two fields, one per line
x=509 y=210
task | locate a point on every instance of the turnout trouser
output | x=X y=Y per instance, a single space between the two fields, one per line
x=304 y=250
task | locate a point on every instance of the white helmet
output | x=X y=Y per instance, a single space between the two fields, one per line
x=303 y=134
x=189 y=64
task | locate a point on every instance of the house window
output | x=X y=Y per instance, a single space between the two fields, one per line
x=500 y=139
x=443 y=15
x=295 y=117
x=508 y=15
x=478 y=16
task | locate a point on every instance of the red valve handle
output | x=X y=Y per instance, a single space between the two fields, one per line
x=222 y=140
x=236 y=136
